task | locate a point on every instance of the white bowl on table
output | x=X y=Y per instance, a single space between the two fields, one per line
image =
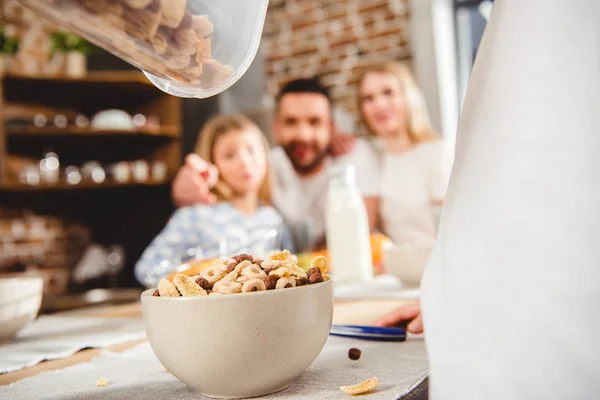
x=20 y=301
x=407 y=262
x=240 y=345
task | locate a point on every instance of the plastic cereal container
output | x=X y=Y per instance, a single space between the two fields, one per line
x=187 y=48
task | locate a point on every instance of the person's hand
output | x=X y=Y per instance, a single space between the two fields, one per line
x=193 y=182
x=341 y=143
x=410 y=313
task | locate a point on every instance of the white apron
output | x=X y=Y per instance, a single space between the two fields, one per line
x=511 y=294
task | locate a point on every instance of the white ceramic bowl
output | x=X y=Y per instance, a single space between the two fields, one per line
x=407 y=262
x=20 y=301
x=240 y=345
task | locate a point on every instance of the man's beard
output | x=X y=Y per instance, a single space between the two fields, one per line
x=320 y=155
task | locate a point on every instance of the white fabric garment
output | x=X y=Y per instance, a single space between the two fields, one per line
x=511 y=293
x=301 y=200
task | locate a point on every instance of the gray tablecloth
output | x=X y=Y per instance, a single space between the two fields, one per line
x=54 y=337
x=136 y=374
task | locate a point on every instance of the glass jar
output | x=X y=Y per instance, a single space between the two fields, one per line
x=187 y=48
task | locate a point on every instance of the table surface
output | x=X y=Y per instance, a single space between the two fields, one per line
x=345 y=312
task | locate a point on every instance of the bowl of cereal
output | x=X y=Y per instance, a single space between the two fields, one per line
x=243 y=327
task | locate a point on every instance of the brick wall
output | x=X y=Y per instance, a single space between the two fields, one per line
x=332 y=39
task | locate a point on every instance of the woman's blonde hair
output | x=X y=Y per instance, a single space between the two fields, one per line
x=215 y=128
x=416 y=116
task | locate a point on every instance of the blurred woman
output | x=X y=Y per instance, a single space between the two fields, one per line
x=413 y=167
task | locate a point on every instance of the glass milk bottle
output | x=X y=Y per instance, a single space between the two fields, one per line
x=347 y=228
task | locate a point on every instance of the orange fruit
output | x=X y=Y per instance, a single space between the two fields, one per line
x=378 y=242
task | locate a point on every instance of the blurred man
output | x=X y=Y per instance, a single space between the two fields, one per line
x=307 y=145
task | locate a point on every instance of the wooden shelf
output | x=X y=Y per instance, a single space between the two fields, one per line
x=19 y=187
x=164 y=131
x=116 y=77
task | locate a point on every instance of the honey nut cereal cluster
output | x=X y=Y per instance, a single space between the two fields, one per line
x=161 y=35
x=243 y=273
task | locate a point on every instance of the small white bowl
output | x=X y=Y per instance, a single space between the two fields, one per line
x=407 y=262
x=113 y=120
x=20 y=301
x=240 y=345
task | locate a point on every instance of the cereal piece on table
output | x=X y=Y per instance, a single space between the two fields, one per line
x=166 y=288
x=254 y=285
x=270 y=282
x=319 y=262
x=354 y=354
x=102 y=382
x=227 y=287
x=173 y=12
x=212 y=274
x=187 y=286
x=143 y=24
x=284 y=283
x=360 y=388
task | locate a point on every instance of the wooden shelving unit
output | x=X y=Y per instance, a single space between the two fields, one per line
x=23 y=96
x=125 y=214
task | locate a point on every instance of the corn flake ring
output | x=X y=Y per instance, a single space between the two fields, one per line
x=286 y=282
x=227 y=287
x=212 y=274
x=360 y=388
x=254 y=285
x=253 y=271
x=319 y=262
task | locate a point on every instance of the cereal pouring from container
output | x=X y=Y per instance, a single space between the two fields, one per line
x=187 y=48
x=261 y=321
